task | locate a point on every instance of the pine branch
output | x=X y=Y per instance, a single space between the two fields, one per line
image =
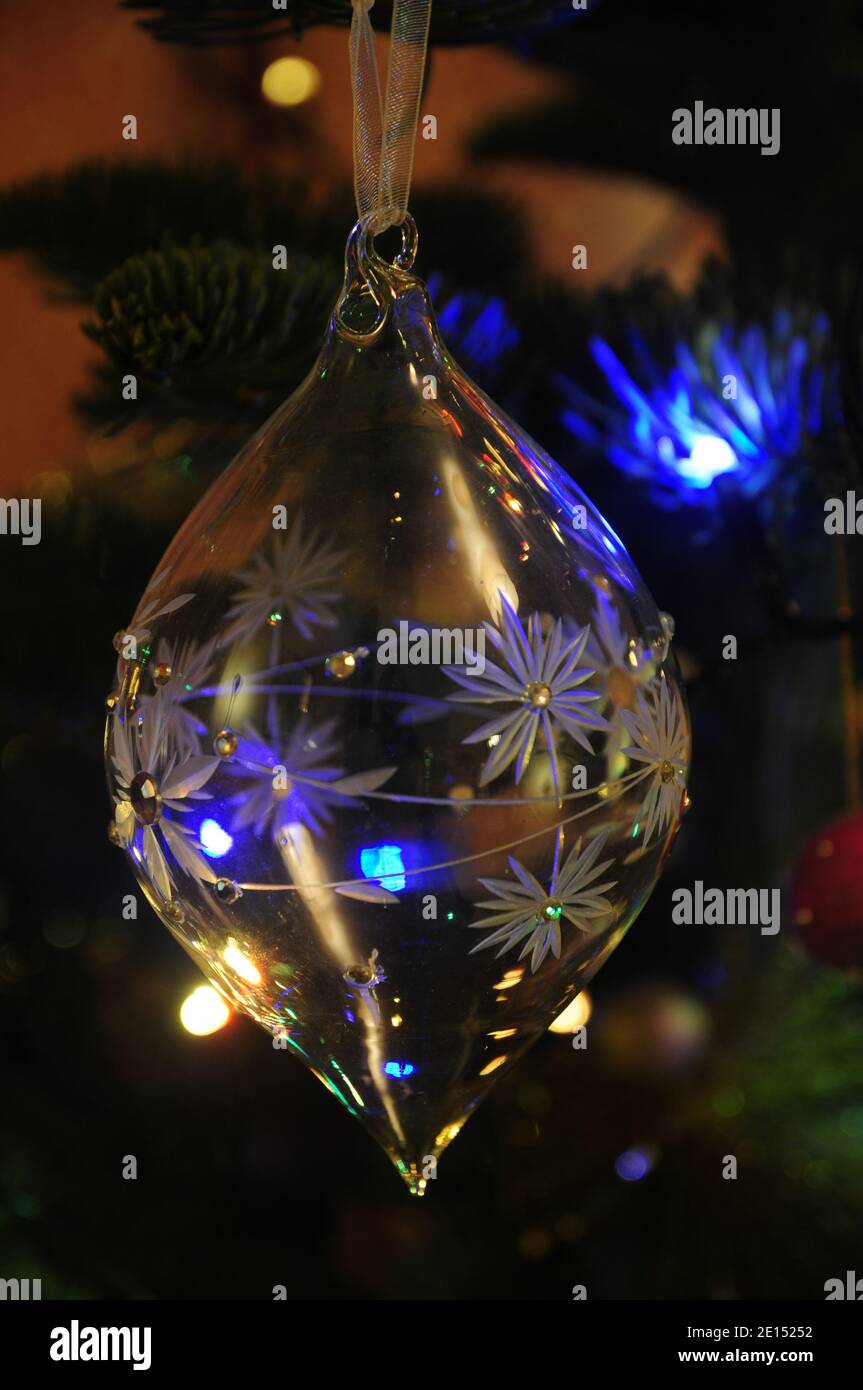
x=212 y=322
x=84 y=222
x=631 y=134
x=177 y=260
x=208 y=22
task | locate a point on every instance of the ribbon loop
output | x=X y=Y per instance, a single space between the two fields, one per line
x=385 y=133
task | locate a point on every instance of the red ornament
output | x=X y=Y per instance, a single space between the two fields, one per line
x=827 y=894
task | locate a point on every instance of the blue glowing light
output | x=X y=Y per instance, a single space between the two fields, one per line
x=731 y=401
x=476 y=327
x=214 y=840
x=385 y=864
x=633 y=1164
x=710 y=456
x=399 y=1068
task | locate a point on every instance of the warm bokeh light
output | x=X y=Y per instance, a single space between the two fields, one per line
x=290 y=81
x=204 y=1011
x=574 y=1016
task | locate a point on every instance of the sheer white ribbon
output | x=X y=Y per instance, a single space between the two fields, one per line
x=385 y=132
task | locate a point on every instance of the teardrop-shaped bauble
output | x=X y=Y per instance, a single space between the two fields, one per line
x=461 y=745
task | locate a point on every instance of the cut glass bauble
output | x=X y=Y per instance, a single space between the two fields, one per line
x=399 y=748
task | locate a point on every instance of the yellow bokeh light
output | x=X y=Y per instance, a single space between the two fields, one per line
x=203 y=1012
x=574 y=1016
x=290 y=81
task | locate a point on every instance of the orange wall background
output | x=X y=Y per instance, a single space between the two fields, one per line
x=69 y=75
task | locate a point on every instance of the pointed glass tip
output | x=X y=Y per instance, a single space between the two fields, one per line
x=414 y=1180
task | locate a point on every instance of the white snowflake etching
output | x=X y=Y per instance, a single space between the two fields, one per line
x=523 y=912
x=297 y=783
x=150 y=780
x=540 y=679
x=659 y=739
x=296 y=579
x=623 y=661
x=190 y=664
x=149 y=610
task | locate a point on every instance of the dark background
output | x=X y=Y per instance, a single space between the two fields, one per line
x=600 y=1167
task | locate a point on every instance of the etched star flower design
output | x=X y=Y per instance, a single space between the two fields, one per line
x=540 y=679
x=148 y=781
x=659 y=738
x=623 y=661
x=524 y=913
x=149 y=609
x=294 y=580
x=178 y=673
x=298 y=783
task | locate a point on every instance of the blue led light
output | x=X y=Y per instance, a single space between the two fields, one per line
x=214 y=840
x=731 y=400
x=385 y=864
x=399 y=1068
x=477 y=328
x=633 y=1164
x=709 y=457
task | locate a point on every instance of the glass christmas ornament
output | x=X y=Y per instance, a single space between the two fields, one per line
x=400 y=746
